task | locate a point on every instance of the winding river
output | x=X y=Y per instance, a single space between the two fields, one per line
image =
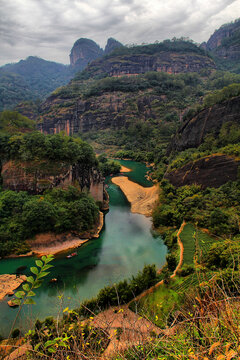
x=125 y=245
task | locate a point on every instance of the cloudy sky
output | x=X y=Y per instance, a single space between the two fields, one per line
x=48 y=28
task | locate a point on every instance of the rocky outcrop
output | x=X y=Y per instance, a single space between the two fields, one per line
x=210 y=171
x=112 y=110
x=208 y=121
x=111 y=45
x=36 y=177
x=225 y=42
x=83 y=52
x=165 y=61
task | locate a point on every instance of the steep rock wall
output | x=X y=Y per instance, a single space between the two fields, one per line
x=97 y=113
x=84 y=51
x=36 y=177
x=225 y=42
x=170 y=62
x=208 y=121
x=210 y=171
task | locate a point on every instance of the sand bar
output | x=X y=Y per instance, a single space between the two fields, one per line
x=8 y=283
x=142 y=199
x=125 y=169
x=50 y=243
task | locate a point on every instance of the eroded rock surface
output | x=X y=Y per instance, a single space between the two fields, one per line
x=210 y=171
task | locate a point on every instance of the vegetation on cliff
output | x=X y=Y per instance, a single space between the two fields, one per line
x=23 y=216
x=57 y=210
x=108 y=167
x=11 y=122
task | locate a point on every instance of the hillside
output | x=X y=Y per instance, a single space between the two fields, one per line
x=171 y=56
x=224 y=44
x=34 y=78
x=30 y=79
x=138 y=112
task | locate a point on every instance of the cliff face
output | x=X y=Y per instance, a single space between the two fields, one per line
x=37 y=176
x=170 y=62
x=83 y=52
x=113 y=110
x=208 y=121
x=210 y=171
x=225 y=42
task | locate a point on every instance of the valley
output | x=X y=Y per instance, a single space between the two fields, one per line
x=151 y=236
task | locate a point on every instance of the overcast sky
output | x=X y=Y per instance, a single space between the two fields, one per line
x=48 y=28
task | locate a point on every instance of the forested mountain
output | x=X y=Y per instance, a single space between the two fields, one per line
x=35 y=78
x=133 y=105
x=30 y=79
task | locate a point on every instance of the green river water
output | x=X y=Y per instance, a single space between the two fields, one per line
x=125 y=245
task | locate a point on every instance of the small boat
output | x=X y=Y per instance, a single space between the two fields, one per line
x=71 y=255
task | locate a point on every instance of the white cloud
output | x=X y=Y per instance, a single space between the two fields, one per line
x=48 y=28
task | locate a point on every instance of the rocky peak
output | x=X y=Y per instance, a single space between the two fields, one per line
x=225 y=42
x=84 y=51
x=225 y=31
x=111 y=45
x=207 y=122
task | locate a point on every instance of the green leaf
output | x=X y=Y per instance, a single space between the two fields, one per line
x=37 y=284
x=49 y=343
x=46 y=267
x=51 y=350
x=30 y=279
x=16 y=302
x=43 y=258
x=42 y=274
x=20 y=294
x=31 y=293
x=26 y=287
x=36 y=347
x=39 y=263
x=29 y=301
x=34 y=270
x=49 y=258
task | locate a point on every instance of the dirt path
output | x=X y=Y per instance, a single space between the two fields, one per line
x=151 y=289
x=181 y=249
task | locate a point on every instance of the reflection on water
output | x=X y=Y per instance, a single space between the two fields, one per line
x=125 y=245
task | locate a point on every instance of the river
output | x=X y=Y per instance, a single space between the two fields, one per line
x=125 y=245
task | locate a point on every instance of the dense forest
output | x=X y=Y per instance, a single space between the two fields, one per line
x=24 y=215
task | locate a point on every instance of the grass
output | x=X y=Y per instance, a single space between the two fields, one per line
x=157 y=306
x=203 y=243
x=187 y=238
x=195 y=242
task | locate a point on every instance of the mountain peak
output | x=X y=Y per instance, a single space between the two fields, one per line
x=111 y=45
x=84 y=51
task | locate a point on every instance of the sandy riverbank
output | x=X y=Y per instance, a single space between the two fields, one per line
x=8 y=283
x=142 y=199
x=50 y=243
x=125 y=169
